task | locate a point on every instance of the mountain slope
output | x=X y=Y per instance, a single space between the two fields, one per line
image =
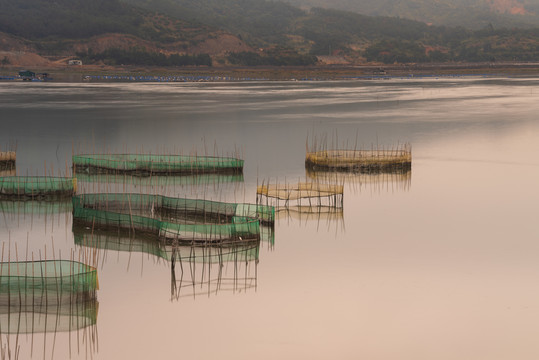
x=472 y=14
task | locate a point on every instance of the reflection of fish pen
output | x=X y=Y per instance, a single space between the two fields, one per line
x=169 y=219
x=37 y=187
x=77 y=319
x=7 y=171
x=301 y=194
x=145 y=164
x=321 y=215
x=369 y=161
x=107 y=240
x=92 y=183
x=27 y=317
x=7 y=160
x=7 y=167
x=310 y=213
x=210 y=270
x=46 y=282
x=394 y=180
x=35 y=207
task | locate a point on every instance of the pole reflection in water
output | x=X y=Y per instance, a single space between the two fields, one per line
x=390 y=181
x=212 y=269
x=195 y=269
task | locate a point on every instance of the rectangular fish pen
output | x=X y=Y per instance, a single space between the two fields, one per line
x=146 y=164
x=309 y=194
x=164 y=207
x=374 y=160
x=168 y=219
x=36 y=187
x=46 y=282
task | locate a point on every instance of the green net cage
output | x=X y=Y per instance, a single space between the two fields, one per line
x=155 y=164
x=46 y=282
x=37 y=187
x=172 y=219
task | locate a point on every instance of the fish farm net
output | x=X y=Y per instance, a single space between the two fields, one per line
x=300 y=194
x=145 y=164
x=369 y=161
x=37 y=187
x=169 y=219
x=46 y=282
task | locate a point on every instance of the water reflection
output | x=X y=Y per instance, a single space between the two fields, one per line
x=40 y=331
x=49 y=296
x=304 y=215
x=155 y=184
x=197 y=271
x=375 y=182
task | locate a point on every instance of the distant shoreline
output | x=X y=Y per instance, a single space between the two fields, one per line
x=217 y=73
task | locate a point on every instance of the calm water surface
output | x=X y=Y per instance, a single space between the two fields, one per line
x=440 y=264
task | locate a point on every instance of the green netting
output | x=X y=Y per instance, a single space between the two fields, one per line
x=207 y=254
x=176 y=209
x=145 y=163
x=31 y=318
x=36 y=206
x=172 y=219
x=126 y=180
x=37 y=186
x=46 y=282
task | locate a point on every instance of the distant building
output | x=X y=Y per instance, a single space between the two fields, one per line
x=74 y=62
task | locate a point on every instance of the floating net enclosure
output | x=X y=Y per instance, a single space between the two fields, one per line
x=48 y=282
x=368 y=161
x=27 y=318
x=308 y=194
x=169 y=219
x=145 y=164
x=37 y=187
x=179 y=209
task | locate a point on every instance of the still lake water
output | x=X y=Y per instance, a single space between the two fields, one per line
x=440 y=264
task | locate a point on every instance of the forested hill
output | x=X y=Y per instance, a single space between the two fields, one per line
x=354 y=37
x=471 y=14
x=247 y=32
x=76 y=19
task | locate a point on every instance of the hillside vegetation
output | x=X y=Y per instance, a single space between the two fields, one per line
x=471 y=14
x=248 y=33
